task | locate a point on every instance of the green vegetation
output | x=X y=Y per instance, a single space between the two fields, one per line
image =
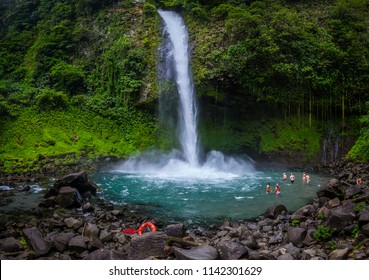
x=295 y=222
x=23 y=241
x=359 y=207
x=323 y=233
x=332 y=245
x=356 y=231
x=320 y=217
x=271 y=75
x=48 y=133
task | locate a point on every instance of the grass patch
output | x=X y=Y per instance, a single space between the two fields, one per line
x=34 y=134
x=289 y=136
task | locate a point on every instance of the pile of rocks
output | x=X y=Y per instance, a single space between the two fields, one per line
x=73 y=224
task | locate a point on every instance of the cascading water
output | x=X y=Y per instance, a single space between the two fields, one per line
x=178 y=36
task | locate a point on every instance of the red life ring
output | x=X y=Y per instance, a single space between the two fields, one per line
x=148 y=224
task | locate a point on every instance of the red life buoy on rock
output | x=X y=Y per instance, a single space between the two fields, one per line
x=148 y=224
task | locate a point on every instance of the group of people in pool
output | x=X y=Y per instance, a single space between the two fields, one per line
x=305 y=180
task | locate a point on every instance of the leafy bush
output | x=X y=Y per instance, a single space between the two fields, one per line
x=323 y=233
x=50 y=99
x=68 y=78
x=295 y=222
x=320 y=217
x=360 y=151
x=149 y=9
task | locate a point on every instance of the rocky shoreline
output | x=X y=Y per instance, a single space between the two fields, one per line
x=72 y=223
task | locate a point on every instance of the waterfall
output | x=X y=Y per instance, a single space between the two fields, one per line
x=330 y=149
x=184 y=164
x=179 y=50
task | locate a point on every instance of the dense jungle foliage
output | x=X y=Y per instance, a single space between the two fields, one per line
x=80 y=76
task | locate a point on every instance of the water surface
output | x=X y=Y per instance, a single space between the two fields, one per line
x=201 y=196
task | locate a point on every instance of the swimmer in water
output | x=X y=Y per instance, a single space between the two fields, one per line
x=277 y=189
x=268 y=189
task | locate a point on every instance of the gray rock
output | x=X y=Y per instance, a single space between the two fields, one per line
x=34 y=238
x=203 y=252
x=334 y=188
x=78 y=243
x=276 y=238
x=293 y=250
x=10 y=245
x=73 y=223
x=309 y=239
x=61 y=240
x=90 y=230
x=296 y=235
x=339 y=254
x=364 y=218
x=303 y=213
x=341 y=216
x=106 y=236
x=77 y=180
x=94 y=243
x=274 y=211
x=250 y=242
x=148 y=245
x=69 y=198
x=230 y=250
x=365 y=229
x=175 y=230
x=334 y=202
x=120 y=237
x=354 y=190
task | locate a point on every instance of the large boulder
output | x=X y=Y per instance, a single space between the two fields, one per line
x=354 y=190
x=296 y=235
x=10 y=245
x=151 y=244
x=274 y=211
x=303 y=213
x=340 y=217
x=334 y=188
x=339 y=254
x=90 y=230
x=61 y=240
x=230 y=250
x=69 y=198
x=176 y=230
x=78 y=243
x=77 y=180
x=39 y=244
